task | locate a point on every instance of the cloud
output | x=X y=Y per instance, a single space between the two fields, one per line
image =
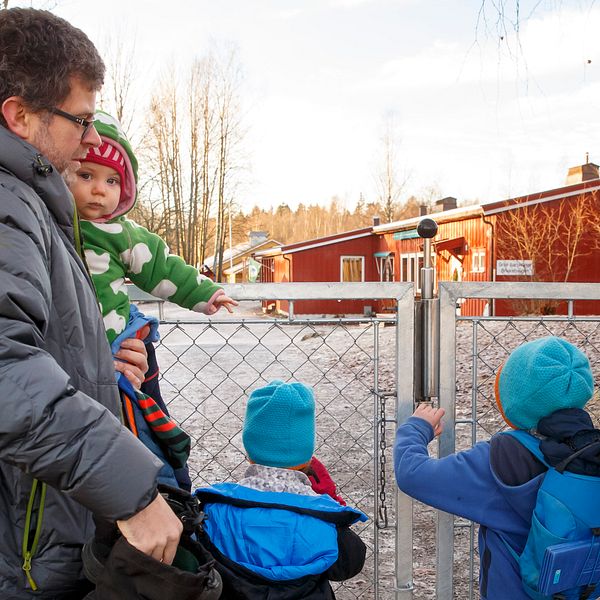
x=551 y=45
x=290 y=13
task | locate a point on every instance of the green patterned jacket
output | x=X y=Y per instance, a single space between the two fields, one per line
x=122 y=249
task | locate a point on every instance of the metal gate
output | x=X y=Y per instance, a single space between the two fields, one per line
x=471 y=349
x=361 y=370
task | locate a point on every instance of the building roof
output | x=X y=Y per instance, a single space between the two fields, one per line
x=237 y=252
x=566 y=191
x=454 y=214
x=317 y=242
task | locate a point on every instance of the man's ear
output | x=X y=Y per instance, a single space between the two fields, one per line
x=17 y=117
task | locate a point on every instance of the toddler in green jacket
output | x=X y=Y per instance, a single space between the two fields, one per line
x=117 y=248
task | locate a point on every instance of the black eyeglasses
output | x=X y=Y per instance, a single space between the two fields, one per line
x=87 y=125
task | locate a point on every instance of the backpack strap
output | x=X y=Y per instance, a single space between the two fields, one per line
x=563 y=464
x=530 y=442
x=533 y=445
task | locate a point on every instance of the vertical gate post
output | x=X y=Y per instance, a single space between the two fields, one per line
x=431 y=378
x=404 y=408
x=447 y=441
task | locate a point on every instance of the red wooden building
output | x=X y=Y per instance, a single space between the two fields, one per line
x=339 y=257
x=461 y=248
x=547 y=236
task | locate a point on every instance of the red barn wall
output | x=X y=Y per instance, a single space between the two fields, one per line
x=480 y=233
x=477 y=235
x=323 y=264
x=586 y=266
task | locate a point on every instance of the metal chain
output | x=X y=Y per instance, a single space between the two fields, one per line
x=382 y=521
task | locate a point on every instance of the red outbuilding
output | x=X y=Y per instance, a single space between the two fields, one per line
x=344 y=256
x=547 y=236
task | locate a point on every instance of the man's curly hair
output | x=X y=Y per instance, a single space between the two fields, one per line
x=39 y=54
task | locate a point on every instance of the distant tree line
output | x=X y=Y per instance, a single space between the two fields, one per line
x=312 y=221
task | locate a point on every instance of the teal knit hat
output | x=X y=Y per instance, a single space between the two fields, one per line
x=541 y=377
x=279 y=429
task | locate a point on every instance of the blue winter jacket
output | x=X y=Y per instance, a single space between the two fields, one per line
x=471 y=484
x=137 y=320
x=280 y=545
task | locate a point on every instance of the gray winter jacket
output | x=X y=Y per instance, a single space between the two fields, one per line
x=58 y=399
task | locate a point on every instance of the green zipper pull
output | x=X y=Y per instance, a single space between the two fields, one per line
x=35 y=507
x=27 y=568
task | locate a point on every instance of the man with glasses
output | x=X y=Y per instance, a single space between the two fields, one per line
x=63 y=452
x=85 y=123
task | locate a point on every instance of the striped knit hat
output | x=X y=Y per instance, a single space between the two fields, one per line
x=108 y=155
x=115 y=152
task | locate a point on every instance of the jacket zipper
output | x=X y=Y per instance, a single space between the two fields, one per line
x=34 y=515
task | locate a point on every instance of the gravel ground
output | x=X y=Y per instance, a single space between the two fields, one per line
x=210 y=367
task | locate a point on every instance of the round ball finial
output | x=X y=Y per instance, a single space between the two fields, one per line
x=427 y=228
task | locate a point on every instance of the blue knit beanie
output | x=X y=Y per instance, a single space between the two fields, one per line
x=279 y=429
x=541 y=377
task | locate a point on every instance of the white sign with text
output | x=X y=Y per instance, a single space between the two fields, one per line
x=514 y=267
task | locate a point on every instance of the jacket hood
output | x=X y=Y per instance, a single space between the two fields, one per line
x=522 y=497
x=29 y=165
x=571 y=433
x=267 y=521
x=110 y=131
x=321 y=506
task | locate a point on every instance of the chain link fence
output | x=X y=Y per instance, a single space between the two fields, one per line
x=362 y=372
x=467 y=375
x=209 y=368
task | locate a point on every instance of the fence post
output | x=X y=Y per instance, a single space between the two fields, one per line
x=429 y=379
x=447 y=441
x=405 y=355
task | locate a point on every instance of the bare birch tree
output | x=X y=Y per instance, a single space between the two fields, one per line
x=164 y=129
x=194 y=131
x=116 y=96
x=552 y=237
x=390 y=182
x=229 y=134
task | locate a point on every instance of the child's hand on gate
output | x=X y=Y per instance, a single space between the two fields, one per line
x=226 y=301
x=432 y=415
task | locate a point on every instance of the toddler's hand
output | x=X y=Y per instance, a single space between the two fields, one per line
x=226 y=301
x=432 y=415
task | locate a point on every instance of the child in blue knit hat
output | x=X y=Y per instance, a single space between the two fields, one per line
x=271 y=534
x=542 y=388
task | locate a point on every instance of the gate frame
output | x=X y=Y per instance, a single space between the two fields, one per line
x=449 y=293
x=403 y=295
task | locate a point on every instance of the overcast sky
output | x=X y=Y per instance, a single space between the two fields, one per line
x=479 y=116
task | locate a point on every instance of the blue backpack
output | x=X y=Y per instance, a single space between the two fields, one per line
x=561 y=558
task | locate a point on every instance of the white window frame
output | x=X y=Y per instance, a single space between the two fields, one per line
x=478 y=260
x=413 y=270
x=381 y=261
x=362 y=266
